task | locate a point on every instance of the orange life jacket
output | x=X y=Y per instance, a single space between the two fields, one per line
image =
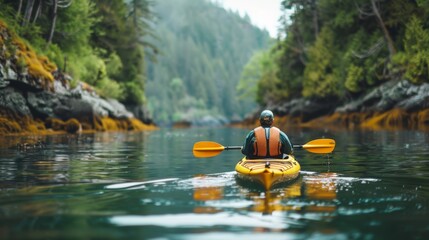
x=267 y=146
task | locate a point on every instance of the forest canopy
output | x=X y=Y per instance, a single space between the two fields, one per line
x=339 y=50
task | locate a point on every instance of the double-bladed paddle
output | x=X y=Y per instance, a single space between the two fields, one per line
x=210 y=149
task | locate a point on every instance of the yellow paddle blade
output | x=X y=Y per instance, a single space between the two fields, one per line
x=324 y=145
x=207 y=149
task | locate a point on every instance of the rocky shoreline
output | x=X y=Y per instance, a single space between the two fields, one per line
x=396 y=104
x=36 y=98
x=27 y=109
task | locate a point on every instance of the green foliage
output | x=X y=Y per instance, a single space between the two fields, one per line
x=259 y=79
x=74 y=26
x=54 y=53
x=320 y=77
x=89 y=68
x=269 y=86
x=133 y=93
x=350 y=53
x=364 y=65
x=354 y=77
x=114 y=65
x=252 y=72
x=109 y=89
x=416 y=52
x=178 y=89
x=122 y=25
x=291 y=64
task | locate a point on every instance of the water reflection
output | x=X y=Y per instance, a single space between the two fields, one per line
x=207 y=194
x=69 y=158
x=312 y=195
x=318 y=187
x=148 y=186
x=318 y=190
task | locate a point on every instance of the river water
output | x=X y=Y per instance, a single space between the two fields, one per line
x=149 y=186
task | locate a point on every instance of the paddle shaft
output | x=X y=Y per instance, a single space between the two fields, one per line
x=233 y=147
x=240 y=147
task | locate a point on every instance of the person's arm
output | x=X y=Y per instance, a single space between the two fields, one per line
x=286 y=144
x=248 y=144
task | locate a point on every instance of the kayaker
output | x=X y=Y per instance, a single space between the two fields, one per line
x=266 y=141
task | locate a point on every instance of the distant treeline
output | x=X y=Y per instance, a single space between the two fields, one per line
x=337 y=50
x=203 y=49
x=95 y=41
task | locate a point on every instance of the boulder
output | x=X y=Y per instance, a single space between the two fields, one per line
x=305 y=109
x=14 y=101
x=119 y=110
x=392 y=94
x=418 y=98
x=43 y=104
x=48 y=105
x=101 y=107
x=6 y=72
x=141 y=112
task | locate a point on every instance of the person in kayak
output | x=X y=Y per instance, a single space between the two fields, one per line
x=266 y=141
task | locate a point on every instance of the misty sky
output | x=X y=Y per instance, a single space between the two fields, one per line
x=263 y=13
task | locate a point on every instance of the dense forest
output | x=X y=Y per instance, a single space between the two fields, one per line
x=95 y=41
x=188 y=59
x=337 y=50
x=203 y=49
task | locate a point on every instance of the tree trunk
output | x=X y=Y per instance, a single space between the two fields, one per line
x=135 y=13
x=28 y=11
x=386 y=34
x=38 y=11
x=18 y=13
x=315 y=18
x=54 y=21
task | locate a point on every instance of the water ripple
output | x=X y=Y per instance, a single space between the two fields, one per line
x=137 y=185
x=189 y=220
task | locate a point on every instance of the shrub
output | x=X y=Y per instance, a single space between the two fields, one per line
x=72 y=126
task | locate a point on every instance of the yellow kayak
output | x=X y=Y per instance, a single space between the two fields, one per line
x=268 y=172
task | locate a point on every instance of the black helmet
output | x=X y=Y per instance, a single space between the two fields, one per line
x=266 y=118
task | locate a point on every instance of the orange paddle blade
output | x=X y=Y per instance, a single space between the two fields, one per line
x=323 y=145
x=207 y=149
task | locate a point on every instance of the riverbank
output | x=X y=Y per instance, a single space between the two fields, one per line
x=396 y=104
x=37 y=98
